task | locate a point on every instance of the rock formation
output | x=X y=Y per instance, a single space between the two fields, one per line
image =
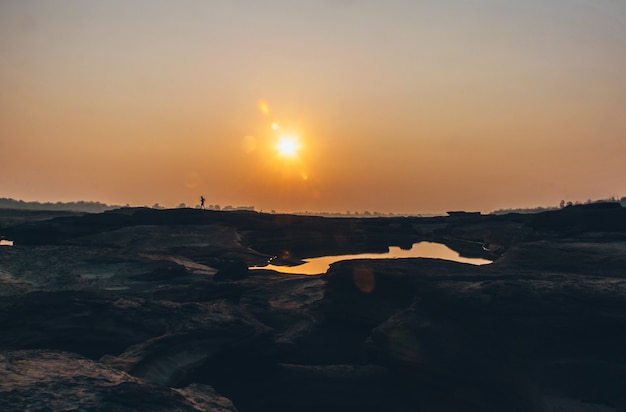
x=140 y=309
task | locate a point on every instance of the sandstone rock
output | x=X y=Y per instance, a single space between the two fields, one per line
x=232 y=269
x=542 y=327
x=59 y=381
x=175 y=357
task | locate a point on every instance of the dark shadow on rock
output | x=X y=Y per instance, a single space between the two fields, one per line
x=159 y=271
x=231 y=269
x=205 y=290
x=81 y=322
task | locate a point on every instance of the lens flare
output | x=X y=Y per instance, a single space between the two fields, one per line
x=364 y=279
x=263 y=107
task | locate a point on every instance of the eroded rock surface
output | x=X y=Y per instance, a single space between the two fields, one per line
x=132 y=303
x=39 y=380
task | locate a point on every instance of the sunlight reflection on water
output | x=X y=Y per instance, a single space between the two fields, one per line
x=4 y=242
x=319 y=265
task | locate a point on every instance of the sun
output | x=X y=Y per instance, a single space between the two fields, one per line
x=288 y=146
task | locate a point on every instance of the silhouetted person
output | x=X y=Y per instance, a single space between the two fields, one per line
x=202 y=202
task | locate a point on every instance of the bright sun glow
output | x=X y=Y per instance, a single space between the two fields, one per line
x=287 y=146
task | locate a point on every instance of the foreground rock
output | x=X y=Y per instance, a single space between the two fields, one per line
x=516 y=340
x=58 y=381
x=162 y=299
x=157 y=340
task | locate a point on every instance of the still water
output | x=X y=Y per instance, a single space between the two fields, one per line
x=319 y=265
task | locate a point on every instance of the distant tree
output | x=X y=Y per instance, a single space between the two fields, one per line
x=182 y=206
x=80 y=206
x=157 y=206
x=562 y=204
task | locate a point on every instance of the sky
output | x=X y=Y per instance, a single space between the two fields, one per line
x=390 y=106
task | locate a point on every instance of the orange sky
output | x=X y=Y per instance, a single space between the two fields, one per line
x=398 y=106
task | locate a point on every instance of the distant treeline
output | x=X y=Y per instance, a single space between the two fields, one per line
x=365 y=213
x=80 y=206
x=563 y=204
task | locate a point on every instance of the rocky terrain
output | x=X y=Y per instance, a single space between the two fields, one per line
x=141 y=309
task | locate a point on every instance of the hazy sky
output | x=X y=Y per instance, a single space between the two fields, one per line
x=396 y=106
